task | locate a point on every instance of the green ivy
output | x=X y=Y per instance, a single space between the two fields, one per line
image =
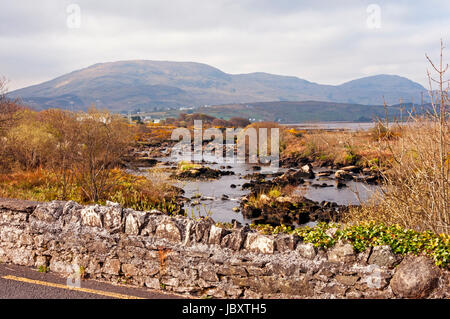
x=370 y=234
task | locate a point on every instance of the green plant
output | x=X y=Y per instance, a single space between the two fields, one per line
x=370 y=234
x=44 y=269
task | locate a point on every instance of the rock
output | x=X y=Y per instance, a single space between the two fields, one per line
x=344 y=175
x=134 y=222
x=236 y=209
x=130 y=270
x=415 y=277
x=113 y=217
x=233 y=186
x=112 y=266
x=347 y=280
x=284 y=242
x=203 y=172
x=91 y=217
x=17 y=205
x=235 y=240
x=168 y=230
x=291 y=178
x=324 y=173
x=250 y=294
x=382 y=256
x=308 y=171
x=173 y=282
x=307 y=250
x=49 y=212
x=341 y=252
x=202 y=229
x=340 y=184
x=152 y=283
x=352 y=168
x=259 y=243
x=208 y=273
x=215 y=235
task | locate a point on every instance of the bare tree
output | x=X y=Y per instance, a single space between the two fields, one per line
x=8 y=107
x=104 y=139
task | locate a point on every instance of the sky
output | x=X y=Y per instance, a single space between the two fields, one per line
x=328 y=42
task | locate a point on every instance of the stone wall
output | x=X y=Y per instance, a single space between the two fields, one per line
x=198 y=258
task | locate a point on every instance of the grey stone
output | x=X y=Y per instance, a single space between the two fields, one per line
x=91 y=217
x=215 y=235
x=306 y=250
x=341 y=252
x=130 y=270
x=285 y=243
x=168 y=230
x=382 y=256
x=112 y=267
x=343 y=175
x=49 y=212
x=415 y=277
x=152 y=283
x=235 y=240
x=347 y=280
x=259 y=243
x=208 y=273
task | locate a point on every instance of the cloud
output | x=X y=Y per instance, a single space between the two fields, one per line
x=326 y=42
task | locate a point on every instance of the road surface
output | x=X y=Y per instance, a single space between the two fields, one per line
x=18 y=282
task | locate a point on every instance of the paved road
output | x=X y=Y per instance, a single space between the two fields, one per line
x=25 y=283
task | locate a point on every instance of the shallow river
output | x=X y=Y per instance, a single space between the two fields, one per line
x=210 y=192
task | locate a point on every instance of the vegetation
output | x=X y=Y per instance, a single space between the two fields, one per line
x=416 y=188
x=371 y=234
x=61 y=155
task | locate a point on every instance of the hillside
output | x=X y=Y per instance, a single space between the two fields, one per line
x=152 y=85
x=300 y=112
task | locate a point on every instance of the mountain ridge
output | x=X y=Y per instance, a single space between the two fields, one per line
x=150 y=85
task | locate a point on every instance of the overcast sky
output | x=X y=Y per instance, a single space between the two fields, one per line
x=324 y=41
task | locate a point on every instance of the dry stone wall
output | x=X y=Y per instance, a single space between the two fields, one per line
x=198 y=258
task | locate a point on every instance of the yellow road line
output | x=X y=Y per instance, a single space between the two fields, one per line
x=87 y=290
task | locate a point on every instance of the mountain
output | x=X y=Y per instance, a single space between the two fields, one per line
x=150 y=85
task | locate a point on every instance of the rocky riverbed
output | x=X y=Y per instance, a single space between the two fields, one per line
x=232 y=192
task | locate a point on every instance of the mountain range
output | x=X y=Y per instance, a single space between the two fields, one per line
x=157 y=85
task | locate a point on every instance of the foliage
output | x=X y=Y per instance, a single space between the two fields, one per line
x=371 y=234
x=136 y=192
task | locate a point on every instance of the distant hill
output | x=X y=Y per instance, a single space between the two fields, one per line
x=150 y=85
x=308 y=111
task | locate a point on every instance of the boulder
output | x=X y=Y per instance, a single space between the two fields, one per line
x=415 y=277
